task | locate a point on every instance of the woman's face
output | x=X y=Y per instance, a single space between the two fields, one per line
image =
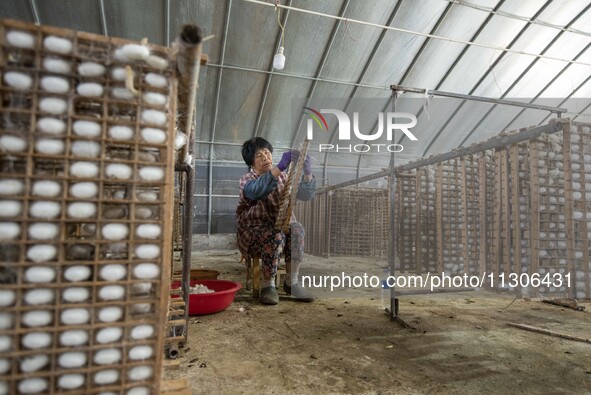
x=263 y=161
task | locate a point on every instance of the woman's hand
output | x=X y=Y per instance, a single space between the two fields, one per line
x=287 y=158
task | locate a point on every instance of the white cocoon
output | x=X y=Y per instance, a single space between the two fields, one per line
x=138 y=391
x=110 y=314
x=143 y=212
x=135 y=52
x=119 y=74
x=32 y=385
x=56 y=65
x=35 y=318
x=90 y=89
x=91 y=69
x=157 y=62
x=39 y=296
x=138 y=373
x=147 y=251
x=153 y=136
x=141 y=352
x=4 y=366
x=46 y=188
x=109 y=335
x=7 y=297
x=55 y=84
x=43 y=231
x=147 y=196
x=115 y=231
x=151 y=173
x=70 y=381
x=146 y=271
x=20 y=39
x=86 y=128
x=86 y=148
x=77 y=273
x=10 y=208
x=39 y=274
x=72 y=359
x=84 y=190
x=76 y=316
x=107 y=356
x=118 y=171
x=57 y=44
x=81 y=210
x=35 y=340
x=11 y=187
x=156 y=80
x=154 y=99
x=113 y=272
x=106 y=376
x=148 y=231
x=33 y=363
x=12 y=143
x=45 y=210
x=74 y=337
x=141 y=308
x=9 y=231
x=122 y=93
x=5 y=320
x=153 y=116
x=49 y=146
x=84 y=169
x=53 y=105
x=16 y=80
x=5 y=343
x=76 y=294
x=141 y=288
x=120 y=132
x=41 y=252
x=112 y=292
x=141 y=332
x=180 y=140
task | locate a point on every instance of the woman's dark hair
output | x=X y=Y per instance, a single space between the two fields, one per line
x=250 y=147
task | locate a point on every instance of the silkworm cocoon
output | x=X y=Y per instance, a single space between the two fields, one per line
x=6 y=320
x=11 y=187
x=116 y=212
x=107 y=356
x=144 y=212
x=91 y=69
x=45 y=209
x=106 y=376
x=40 y=274
x=86 y=148
x=122 y=93
x=39 y=296
x=154 y=117
x=9 y=231
x=151 y=173
x=32 y=385
x=90 y=89
x=41 y=252
x=33 y=363
x=57 y=44
x=17 y=80
x=74 y=337
x=20 y=39
x=156 y=80
x=49 y=146
x=115 y=231
x=76 y=294
x=10 y=208
x=75 y=316
x=11 y=143
x=84 y=190
x=141 y=288
x=147 y=251
x=153 y=136
x=72 y=359
x=118 y=171
x=119 y=74
x=120 y=132
x=81 y=210
x=46 y=188
x=138 y=373
x=138 y=391
x=180 y=140
x=53 y=105
x=7 y=297
x=86 y=128
x=154 y=98
x=146 y=156
x=157 y=62
x=5 y=343
x=146 y=271
x=134 y=52
x=84 y=169
x=113 y=272
x=148 y=231
x=141 y=308
x=112 y=292
x=109 y=335
x=4 y=366
x=36 y=318
x=147 y=196
x=35 y=340
x=70 y=381
x=56 y=65
x=55 y=84
x=119 y=194
x=80 y=252
x=110 y=314
x=141 y=352
x=43 y=231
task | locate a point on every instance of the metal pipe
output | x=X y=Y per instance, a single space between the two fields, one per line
x=33 y=7
x=166 y=23
x=103 y=18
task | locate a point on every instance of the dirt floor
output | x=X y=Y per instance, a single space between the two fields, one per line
x=344 y=343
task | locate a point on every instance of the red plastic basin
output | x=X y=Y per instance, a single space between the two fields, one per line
x=200 y=304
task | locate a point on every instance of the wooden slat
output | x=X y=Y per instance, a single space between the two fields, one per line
x=516 y=194
x=534 y=209
x=569 y=206
x=482 y=206
x=439 y=216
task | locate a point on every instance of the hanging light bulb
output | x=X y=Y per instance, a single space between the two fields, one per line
x=279 y=59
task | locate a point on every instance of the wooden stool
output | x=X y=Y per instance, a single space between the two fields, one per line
x=253 y=271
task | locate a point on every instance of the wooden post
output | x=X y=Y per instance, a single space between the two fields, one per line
x=534 y=208
x=439 y=215
x=569 y=209
x=418 y=228
x=482 y=211
x=506 y=214
x=516 y=193
x=465 y=219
